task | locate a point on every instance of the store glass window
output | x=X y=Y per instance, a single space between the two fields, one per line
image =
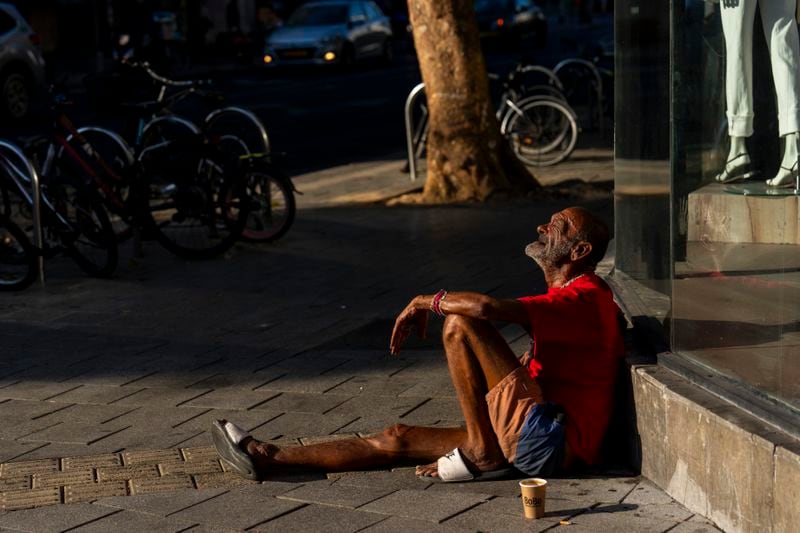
x=735 y=146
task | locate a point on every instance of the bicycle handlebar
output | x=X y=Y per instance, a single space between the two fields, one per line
x=145 y=66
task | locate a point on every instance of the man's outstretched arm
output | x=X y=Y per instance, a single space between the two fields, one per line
x=470 y=304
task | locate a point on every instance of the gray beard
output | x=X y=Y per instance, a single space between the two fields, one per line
x=551 y=257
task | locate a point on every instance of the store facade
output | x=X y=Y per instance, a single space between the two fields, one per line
x=707 y=217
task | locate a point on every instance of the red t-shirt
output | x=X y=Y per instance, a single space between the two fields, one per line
x=576 y=347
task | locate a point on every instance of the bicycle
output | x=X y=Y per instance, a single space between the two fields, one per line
x=541 y=128
x=183 y=192
x=72 y=216
x=238 y=131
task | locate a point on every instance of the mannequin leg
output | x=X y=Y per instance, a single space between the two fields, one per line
x=787 y=173
x=738 y=165
x=781 y=34
x=737 y=26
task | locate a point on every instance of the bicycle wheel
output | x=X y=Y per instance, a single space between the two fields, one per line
x=17 y=257
x=197 y=202
x=84 y=229
x=541 y=131
x=111 y=161
x=272 y=206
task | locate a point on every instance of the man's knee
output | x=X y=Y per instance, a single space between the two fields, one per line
x=456 y=327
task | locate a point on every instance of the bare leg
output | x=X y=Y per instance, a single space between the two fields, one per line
x=397 y=444
x=478 y=358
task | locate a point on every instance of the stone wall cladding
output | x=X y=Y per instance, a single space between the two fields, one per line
x=713 y=458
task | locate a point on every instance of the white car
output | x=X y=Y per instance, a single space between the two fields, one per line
x=22 y=70
x=332 y=32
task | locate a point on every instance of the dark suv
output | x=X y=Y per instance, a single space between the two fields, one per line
x=22 y=70
x=511 y=19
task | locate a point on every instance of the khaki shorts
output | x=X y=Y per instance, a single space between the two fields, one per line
x=509 y=402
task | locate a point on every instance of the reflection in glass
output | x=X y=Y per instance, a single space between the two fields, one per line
x=736 y=247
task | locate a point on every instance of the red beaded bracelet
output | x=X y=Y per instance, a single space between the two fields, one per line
x=436 y=303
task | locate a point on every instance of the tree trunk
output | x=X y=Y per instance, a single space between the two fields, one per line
x=468 y=159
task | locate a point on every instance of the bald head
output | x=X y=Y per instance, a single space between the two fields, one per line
x=573 y=236
x=591 y=229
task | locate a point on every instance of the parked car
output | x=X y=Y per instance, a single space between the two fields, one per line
x=511 y=19
x=331 y=32
x=22 y=71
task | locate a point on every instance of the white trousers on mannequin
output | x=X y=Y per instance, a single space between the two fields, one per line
x=780 y=30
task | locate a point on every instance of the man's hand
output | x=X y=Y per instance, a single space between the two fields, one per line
x=415 y=315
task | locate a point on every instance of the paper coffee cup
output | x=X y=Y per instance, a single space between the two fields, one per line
x=533 y=496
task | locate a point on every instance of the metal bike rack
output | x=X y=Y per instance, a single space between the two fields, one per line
x=552 y=76
x=599 y=79
x=249 y=116
x=38 y=241
x=412 y=155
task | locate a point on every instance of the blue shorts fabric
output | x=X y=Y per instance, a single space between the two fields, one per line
x=540 y=451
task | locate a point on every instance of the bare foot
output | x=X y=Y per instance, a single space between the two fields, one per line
x=430 y=470
x=486 y=465
x=261 y=452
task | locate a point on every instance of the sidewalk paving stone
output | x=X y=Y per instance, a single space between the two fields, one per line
x=433 y=411
x=11 y=449
x=77 y=433
x=167 y=483
x=86 y=414
x=374 y=386
x=158 y=397
x=248 y=420
x=22 y=468
x=610 y=517
x=393 y=524
x=296 y=425
x=52 y=518
x=479 y=519
x=93 y=394
x=239 y=509
x=57 y=479
x=209 y=466
x=299 y=402
x=222 y=480
x=370 y=406
x=150 y=457
x=424 y=505
x=91 y=461
x=26 y=499
x=334 y=494
x=319 y=518
x=157 y=504
x=16 y=483
x=695 y=525
x=304 y=381
x=34 y=390
x=133 y=521
x=399 y=478
x=227 y=398
x=645 y=493
x=84 y=492
x=116 y=473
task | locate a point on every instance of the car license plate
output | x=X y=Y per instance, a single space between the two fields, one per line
x=295 y=53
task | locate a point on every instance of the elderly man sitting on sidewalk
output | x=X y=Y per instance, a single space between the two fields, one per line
x=541 y=415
